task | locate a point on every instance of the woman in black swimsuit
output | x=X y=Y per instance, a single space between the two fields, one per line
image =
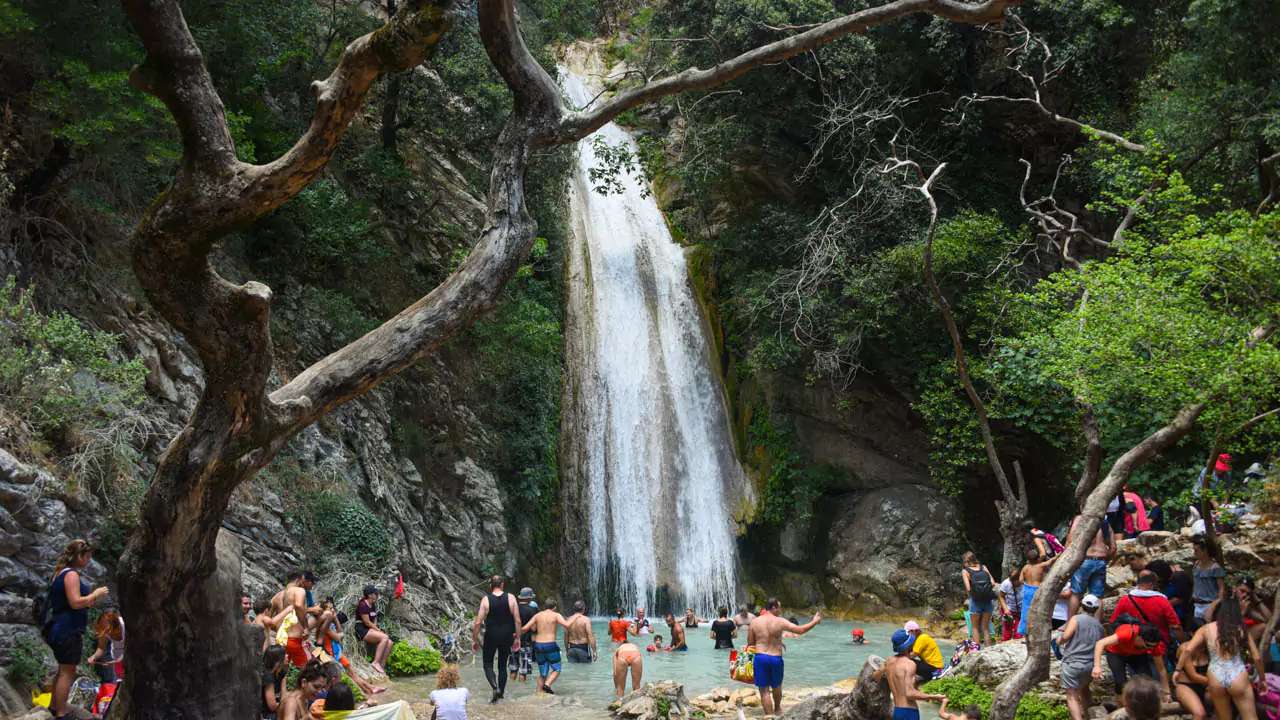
x=1191 y=681
x=691 y=620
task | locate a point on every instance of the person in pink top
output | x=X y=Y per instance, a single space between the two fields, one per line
x=1135 y=521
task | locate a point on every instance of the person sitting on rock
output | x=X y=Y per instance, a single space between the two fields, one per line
x=311 y=682
x=1077 y=641
x=902 y=674
x=275 y=665
x=925 y=648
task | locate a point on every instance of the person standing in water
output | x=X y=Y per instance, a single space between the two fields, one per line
x=691 y=620
x=619 y=628
x=744 y=617
x=901 y=670
x=678 y=643
x=724 y=630
x=521 y=663
x=498 y=612
x=546 y=651
x=642 y=623
x=766 y=634
x=579 y=637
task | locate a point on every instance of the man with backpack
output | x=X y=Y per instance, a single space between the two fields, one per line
x=1091 y=578
x=1147 y=606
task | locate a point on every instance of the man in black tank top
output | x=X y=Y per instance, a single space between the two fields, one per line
x=498 y=613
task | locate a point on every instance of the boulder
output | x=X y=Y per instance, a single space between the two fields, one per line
x=895 y=544
x=869 y=699
x=653 y=701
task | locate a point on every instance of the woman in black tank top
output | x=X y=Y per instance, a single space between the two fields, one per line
x=499 y=636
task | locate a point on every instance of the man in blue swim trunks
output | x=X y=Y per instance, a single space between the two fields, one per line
x=765 y=633
x=901 y=670
x=546 y=652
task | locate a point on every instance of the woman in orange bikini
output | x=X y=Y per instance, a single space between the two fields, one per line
x=627 y=656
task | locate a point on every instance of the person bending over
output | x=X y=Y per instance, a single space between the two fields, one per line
x=1128 y=654
x=627 y=658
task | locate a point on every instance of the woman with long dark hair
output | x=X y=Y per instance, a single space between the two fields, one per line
x=1227 y=642
x=70 y=601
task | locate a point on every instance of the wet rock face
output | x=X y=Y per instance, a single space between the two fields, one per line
x=895 y=547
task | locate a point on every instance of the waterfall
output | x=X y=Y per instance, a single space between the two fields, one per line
x=655 y=465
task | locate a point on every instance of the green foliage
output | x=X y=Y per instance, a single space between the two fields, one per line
x=336 y=529
x=962 y=691
x=408 y=660
x=26 y=663
x=54 y=372
x=790 y=487
x=356 y=692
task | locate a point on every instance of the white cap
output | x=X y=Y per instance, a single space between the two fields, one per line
x=1090 y=602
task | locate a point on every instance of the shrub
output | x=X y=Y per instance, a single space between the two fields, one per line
x=26 y=664
x=408 y=660
x=961 y=691
x=346 y=526
x=55 y=372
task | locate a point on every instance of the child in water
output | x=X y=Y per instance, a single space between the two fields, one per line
x=656 y=645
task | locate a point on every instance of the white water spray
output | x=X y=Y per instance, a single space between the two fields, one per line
x=653 y=438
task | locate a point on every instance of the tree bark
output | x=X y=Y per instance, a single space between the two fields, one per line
x=1039 y=615
x=1092 y=454
x=185 y=658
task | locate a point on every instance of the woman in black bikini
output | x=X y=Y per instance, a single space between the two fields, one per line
x=691 y=620
x=1191 y=681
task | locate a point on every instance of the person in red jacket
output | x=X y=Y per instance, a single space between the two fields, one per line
x=1151 y=607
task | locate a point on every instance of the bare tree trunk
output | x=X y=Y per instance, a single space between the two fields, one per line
x=1092 y=454
x=390 y=114
x=1013 y=507
x=1039 y=614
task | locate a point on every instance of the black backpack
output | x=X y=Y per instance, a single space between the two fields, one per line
x=981 y=587
x=42 y=609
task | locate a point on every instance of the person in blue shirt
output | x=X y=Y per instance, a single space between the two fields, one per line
x=70 y=600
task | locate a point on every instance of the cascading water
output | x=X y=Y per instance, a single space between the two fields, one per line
x=656 y=469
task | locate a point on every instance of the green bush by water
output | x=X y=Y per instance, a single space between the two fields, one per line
x=26 y=666
x=962 y=691
x=408 y=660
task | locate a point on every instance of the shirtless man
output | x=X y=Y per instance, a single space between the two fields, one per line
x=677 y=635
x=289 y=607
x=901 y=670
x=766 y=634
x=581 y=641
x=546 y=652
x=743 y=618
x=1032 y=574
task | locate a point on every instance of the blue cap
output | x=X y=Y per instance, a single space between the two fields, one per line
x=902 y=640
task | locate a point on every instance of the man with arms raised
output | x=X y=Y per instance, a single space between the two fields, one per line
x=289 y=611
x=581 y=641
x=546 y=652
x=498 y=612
x=901 y=670
x=766 y=634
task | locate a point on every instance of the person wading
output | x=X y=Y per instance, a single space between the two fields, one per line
x=765 y=633
x=724 y=630
x=579 y=637
x=521 y=663
x=546 y=651
x=498 y=612
x=678 y=642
